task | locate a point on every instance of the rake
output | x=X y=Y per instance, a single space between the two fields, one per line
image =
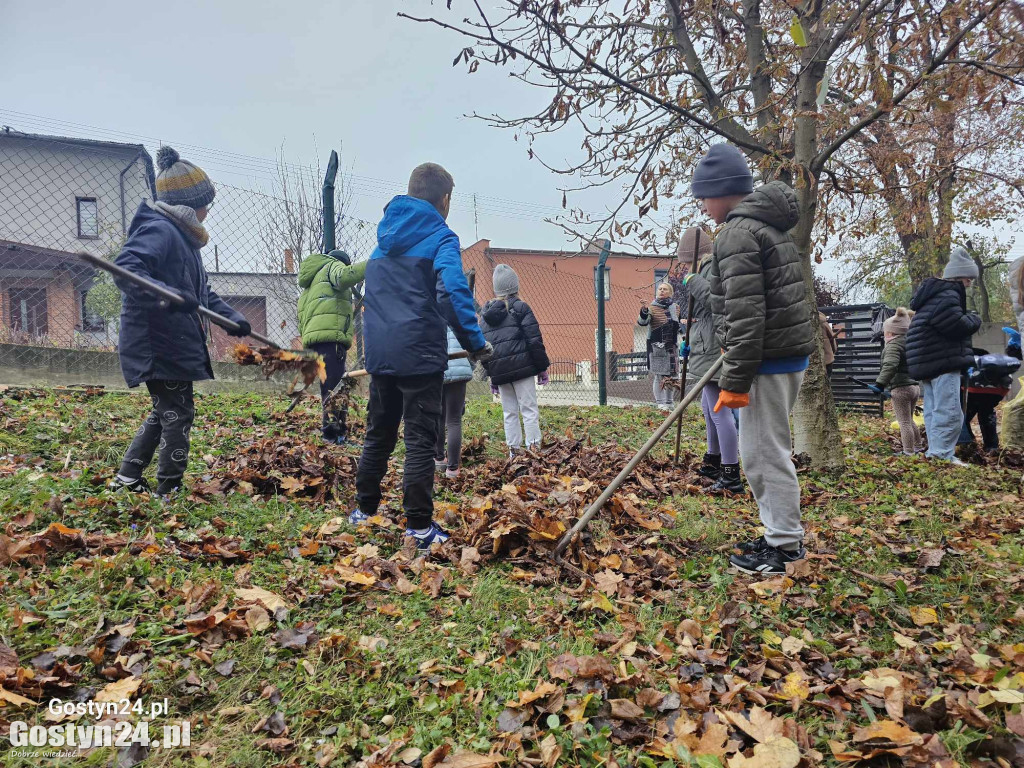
x=169 y=297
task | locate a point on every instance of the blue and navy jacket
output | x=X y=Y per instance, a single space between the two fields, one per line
x=414 y=288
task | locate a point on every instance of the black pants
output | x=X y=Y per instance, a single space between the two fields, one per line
x=453 y=405
x=416 y=400
x=167 y=427
x=983 y=406
x=335 y=417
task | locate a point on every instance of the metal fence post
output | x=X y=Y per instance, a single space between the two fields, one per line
x=602 y=358
x=328 y=199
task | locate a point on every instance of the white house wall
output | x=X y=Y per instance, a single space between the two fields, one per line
x=41 y=179
x=280 y=291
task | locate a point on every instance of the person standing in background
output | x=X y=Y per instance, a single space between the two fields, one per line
x=662 y=321
x=453 y=405
x=939 y=350
x=519 y=362
x=829 y=345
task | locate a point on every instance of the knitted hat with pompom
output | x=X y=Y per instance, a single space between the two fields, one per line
x=899 y=323
x=179 y=182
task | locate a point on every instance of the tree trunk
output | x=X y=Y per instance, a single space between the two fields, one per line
x=815 y=421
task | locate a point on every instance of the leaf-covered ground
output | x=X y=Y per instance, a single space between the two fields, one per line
x=286 y=637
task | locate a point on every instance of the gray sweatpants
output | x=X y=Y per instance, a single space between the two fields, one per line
x=765 y=448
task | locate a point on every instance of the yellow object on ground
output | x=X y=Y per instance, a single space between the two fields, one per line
x=1012 y=435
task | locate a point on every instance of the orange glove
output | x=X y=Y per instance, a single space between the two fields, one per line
x=732 y=400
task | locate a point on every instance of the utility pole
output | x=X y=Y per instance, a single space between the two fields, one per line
x=476 y=219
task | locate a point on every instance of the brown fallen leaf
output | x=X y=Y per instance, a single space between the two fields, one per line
x=883 y=733
x=469 y=760
x=120 y=689
x=778 y=752
x=257 y=618
x=277 y=746
x=268 y=600
x=761 y=725
x=624 y=709
x=15 y=699
x=923 y=615
x=550 y=751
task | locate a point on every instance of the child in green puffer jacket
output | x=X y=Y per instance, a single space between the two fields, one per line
x=326 y=317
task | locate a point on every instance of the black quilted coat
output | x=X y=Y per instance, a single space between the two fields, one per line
x=939 y=339
x=511 y=328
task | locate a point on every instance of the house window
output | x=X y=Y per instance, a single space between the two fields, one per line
x=88 y=218
x=90 y=320
x=607 y=283
x=28 y=310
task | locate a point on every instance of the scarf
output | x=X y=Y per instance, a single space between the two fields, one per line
x=184 y=219
x=660 y=312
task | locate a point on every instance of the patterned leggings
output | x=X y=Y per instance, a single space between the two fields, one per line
x=167 y=427
x=903 y=401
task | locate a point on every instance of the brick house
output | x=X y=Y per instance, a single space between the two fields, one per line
x=58 y=196
x=559 y=287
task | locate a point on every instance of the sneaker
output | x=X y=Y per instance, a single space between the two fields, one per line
x=729 y=480
x=767 y=561
x=958 y=463
x=711 y=467
x=133 y=484
x=357 y=517
x=748 y=547
x=451 y=474
x=167 y=488
x=440 y=465
x=434 y=535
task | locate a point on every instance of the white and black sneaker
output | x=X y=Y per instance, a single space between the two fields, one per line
x=133 y=484
x=762 y=559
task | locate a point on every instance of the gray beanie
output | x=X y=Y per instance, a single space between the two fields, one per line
x=722 y=172
x=960 y=265
x=505 y=280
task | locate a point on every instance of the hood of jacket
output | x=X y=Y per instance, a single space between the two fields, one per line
x=930 y=287
x=495 y=312
x=407 y=221
x=310 y=266
x=773 y=203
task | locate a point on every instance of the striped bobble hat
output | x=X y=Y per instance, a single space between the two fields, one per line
x=179 y=182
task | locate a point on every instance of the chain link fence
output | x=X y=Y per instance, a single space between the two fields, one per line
x=59 y=316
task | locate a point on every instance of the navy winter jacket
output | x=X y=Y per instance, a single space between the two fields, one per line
x=414 y=287
x=939 y=339
x=515 y=335
x=155 y=343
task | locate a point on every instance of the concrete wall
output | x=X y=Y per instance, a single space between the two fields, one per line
x=52 y=366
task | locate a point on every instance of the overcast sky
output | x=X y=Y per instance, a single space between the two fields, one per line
x=228 y=81
x=246 y=76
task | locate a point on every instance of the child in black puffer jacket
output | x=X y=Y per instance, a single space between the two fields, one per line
x=519 y=358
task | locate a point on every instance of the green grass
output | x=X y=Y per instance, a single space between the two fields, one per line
x=447 y=666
